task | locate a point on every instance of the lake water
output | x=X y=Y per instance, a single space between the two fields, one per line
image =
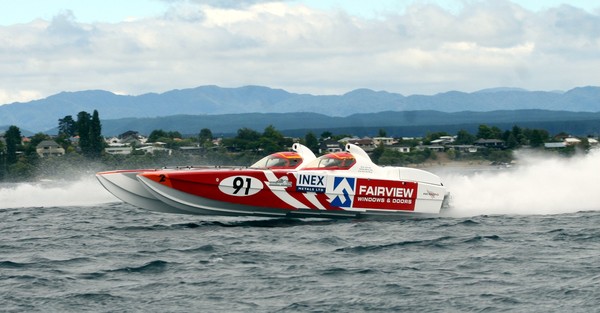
x=522 y=239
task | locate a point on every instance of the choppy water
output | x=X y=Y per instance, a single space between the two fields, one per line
x=70 y=247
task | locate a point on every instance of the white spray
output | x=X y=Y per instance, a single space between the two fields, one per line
x=537 y=185
x=86 y=191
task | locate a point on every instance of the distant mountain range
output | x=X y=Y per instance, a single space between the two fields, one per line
x=224 y=109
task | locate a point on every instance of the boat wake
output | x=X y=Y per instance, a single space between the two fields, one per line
x=537 y=185
x=85 y=191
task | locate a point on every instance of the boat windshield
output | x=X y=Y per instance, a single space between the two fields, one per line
x=333 y=161
x=280 y=160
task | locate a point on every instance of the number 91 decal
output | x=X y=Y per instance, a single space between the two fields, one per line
x=240 y=186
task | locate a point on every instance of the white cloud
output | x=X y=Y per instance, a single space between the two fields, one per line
x=423 y=49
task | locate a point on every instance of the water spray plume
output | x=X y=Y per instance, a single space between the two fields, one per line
x=82 y=192
x=538 y=185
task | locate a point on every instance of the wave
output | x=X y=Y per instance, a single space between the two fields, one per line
x=228 y=222
x=95 y=297
x=155 y=266
x=482 y=238
x=11 y=264
x=43 y=262
x=152 y=267
x=337 y=271
x=434 y=243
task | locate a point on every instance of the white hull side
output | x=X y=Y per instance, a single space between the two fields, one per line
x=127 y=188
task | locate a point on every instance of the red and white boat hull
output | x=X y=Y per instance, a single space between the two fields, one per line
x=297 y=193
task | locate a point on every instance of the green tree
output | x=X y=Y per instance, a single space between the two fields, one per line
x=247 y=134
x=95 y=133
x=205 y=137
x=519 y=135
x=162 y=135
x=157 y=134
x=67 y=126
x=484 y=132
x=377 y=153
x=487 y=132
x=174 y=134
x=2 y=161
x=268 y=145
x=496 y=132
x=246 y=139
x=326 y=134
x=537 y=137
x=463 y=137
x=273 y=134
x=172 y=139
x=21 y=170
x=422 y=156
x=13 y=140
x=510 y=140
x=312 y=142
x=390 y=157
x=84 y=121
x=382 y=133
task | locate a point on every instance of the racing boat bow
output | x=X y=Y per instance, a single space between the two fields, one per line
x=124 y=183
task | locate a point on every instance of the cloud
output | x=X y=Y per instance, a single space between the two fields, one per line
x=222 y=3
x=424 y=49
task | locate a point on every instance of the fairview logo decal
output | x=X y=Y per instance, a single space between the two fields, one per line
x=381 y=191
x=385 y=195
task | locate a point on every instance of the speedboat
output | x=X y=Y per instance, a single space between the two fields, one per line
x=124 y=185
x=342 y=184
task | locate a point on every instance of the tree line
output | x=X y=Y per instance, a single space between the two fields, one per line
x=18 y=159
x=82 y=139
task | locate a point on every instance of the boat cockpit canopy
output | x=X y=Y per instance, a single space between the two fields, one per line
x=332 y=161
x=280 y=160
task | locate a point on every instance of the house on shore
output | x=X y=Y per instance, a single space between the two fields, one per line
x=330 y=146
x=49 y=148
x=490 y=143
